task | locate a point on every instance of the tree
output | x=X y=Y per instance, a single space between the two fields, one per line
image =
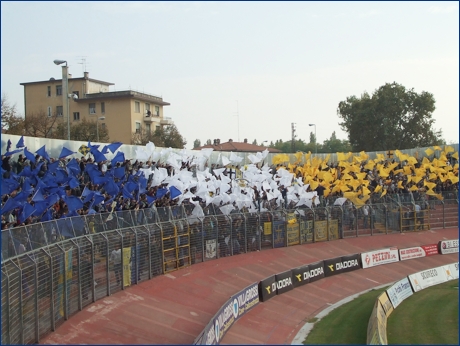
x=40 y=125
x=254 y=142
x=164 y=137
x=12 y=122
x=392 y=118
x=334 y=145
x=84 y=130
x=208 y=142
x=196 y=143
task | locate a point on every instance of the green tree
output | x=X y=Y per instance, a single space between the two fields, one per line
x=334 y=145
x=392 y=118
x=84 y=130
x=41 y=125
x=196 y=143
x=208 y=142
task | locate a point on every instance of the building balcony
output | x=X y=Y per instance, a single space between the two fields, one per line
x=166 y=121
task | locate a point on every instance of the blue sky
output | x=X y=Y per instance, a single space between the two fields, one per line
x=242 y=69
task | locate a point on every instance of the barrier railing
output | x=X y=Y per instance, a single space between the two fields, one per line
x=52 y=270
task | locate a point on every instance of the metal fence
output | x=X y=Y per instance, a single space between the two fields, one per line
x=52 y=270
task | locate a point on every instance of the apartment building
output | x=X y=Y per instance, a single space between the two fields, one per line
x=122 y=112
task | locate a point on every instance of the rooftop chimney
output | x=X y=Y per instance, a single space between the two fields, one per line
x=245 y=140
x=86 y=75
x=230 y=140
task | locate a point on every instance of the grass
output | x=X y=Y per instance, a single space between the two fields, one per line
x=412 y=322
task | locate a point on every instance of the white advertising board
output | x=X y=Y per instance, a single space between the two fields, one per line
x=448 y=246
x=427 y=278
x=378 y=257
x=451 y=271
x=399 y=291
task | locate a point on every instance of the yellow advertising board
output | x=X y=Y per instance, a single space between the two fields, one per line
x=320 y=230
x=386 y=303
x=267 y=228
x=126 y=266
x=333 y=229
x=292 y=231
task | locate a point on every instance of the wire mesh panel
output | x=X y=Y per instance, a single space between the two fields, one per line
x=114 y=255
x=169 y=238
x=279 y=228
x=144 y=254
x=37 y=236
x=210 y=234
x=292 y=227
x=156 y=250
x=183 y=244
x=196 y=240
x=253 y=232
x=15 y=310
x=99 y=245
x=130 y=257
x=58 y=260
x=29 y=297
x=336 y=213
x=237 y=245
x=265 y=230
x=45 y=290
x=5 y=307
x=305 y=217
x=163 y=214
x=224 y=236
x=349 y=220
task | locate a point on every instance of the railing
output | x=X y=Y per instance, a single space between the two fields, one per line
x=68 y=264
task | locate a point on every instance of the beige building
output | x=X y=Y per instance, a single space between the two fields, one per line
x=124 y=112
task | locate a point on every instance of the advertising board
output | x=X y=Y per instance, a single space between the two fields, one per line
x=378 y=257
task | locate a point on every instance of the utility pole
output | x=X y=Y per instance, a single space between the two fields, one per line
x=293 y=137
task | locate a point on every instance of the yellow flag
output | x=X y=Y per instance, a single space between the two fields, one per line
x=429 y=151
x=455 y=155
x=437 y=147
x=448 y=149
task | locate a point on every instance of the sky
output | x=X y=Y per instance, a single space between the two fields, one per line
x=236 y=70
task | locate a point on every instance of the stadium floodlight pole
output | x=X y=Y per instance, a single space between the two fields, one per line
x=316 y=146
x=97 y=127
x=65 y=93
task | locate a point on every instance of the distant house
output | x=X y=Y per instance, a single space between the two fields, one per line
x=244 y=147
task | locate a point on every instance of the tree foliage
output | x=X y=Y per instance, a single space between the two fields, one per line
x=392 y=118
x=164 y=137
x=41 y=125
x=196 y=143
x=84 y=130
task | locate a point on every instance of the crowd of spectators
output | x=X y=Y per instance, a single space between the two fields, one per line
x=40 y=188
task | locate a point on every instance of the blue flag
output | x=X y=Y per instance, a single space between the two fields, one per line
x=27 y=211
x=73 y=203
x=114 y=147
x=10 y=153
x=65 y=152
x=38 y=196
x=174 y=192
x=119 y=157
x=29 y=156
x=20 y=142
x=42 y=152
x=98 y=156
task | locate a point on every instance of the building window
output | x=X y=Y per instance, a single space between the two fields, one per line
x=157 y=111
x=148 y=128
x=138 y=127
x=103 y=107
x=49 y=91
x=76 y=93
x=147 y=109
x=92 y=108
x=58 y=90
x=49 y=112
x=76 y=116
x=59 y=111
x=137 y=107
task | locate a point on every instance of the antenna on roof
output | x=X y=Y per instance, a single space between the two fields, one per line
x=83 y=63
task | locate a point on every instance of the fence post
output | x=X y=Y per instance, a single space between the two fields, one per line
x=21 y=328
x=8 y=304
x=66 y=298
x=37 y=326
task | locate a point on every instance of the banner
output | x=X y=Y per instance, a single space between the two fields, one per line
x=418 y=251
x=316 y=271
x=333 y=229
x=448 y=246
x=399 y=291
x=228 y=314
x=283 y=282
x=300 y=276
x=211 y=248
x=292 y=231
x=451 y=271
x=306 y=231
x=386 y=304
x=378 y=257
x=267 y=288
x=340 y=265
x=320 y=230
x=278 y=228
x=427 y=278
x=267 y=228
x=126 y=266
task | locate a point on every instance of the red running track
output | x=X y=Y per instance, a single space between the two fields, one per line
x=175 y=308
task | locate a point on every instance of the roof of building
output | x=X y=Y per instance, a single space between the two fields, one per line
x=70 y=79
x=238 y=147
x=125 y=93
